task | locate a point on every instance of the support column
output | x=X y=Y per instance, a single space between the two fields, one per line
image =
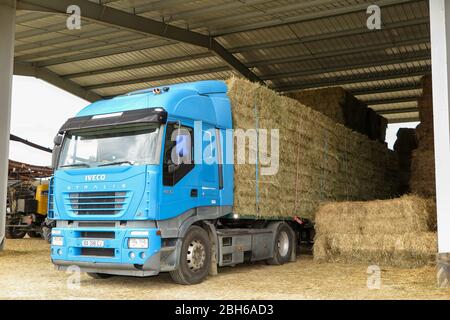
x=7 y=28
x=440 y=57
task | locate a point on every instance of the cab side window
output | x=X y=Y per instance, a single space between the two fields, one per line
x=178 y=153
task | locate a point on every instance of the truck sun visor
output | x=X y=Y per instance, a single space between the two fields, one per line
x=154 y=115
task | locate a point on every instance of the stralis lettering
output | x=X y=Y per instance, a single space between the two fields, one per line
x=95 y=177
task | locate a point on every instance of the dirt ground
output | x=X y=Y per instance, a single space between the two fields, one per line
x=27 y=273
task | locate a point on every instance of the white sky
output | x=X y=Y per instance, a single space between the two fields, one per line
x=39 y=109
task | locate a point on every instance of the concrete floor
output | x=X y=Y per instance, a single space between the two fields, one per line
x=27 y=273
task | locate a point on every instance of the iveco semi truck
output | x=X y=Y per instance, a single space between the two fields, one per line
x=124 y=206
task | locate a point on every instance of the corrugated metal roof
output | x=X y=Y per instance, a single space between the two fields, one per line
x=290 y=44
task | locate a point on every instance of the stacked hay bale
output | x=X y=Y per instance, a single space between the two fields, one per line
x=376 y=125
x=345 y=109
x=404 y=146
x=398 y=232
x=329 y=101
x=422 y=166
x=319 y=159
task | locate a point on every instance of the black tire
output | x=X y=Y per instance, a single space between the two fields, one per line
x=47 y=227
x=46 y=234
x=13 y=233
x=196 y=244
x=99 y=276
x=282 y=251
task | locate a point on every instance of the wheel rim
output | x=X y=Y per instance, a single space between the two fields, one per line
x=283 y=243
x=196 y=255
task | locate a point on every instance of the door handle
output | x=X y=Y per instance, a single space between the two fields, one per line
x=194 y=193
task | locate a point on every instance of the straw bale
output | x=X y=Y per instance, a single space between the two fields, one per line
x=329 y=101
x=402 y=250
x=399 y=232
x=319 y=160
x=407 y=214
x=426 y=101
x=405 y=144
x=406 y=140
x=423 y=180
x=345 y=109
x=422 y=165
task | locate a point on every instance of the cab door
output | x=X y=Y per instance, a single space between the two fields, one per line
x=180 y=181
x=209 y=178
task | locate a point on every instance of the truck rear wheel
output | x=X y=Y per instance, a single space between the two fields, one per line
x=195 y=257
x=282 y=245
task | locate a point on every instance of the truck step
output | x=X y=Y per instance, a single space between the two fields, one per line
x=234 y=232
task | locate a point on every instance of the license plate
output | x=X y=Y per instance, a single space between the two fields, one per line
x=93 y=243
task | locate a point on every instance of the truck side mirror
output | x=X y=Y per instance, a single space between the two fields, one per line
x=58 y=140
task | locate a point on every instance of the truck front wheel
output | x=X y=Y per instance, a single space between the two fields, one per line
x=195 y=257
x=283 y=245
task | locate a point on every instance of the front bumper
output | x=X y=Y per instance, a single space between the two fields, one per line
x=113 y=257
x=150 y=268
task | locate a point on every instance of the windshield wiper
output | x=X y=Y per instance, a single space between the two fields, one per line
x=76 y=165
x=116 y=163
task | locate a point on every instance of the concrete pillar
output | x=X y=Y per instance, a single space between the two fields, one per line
x=7 y=28
x=440 y=56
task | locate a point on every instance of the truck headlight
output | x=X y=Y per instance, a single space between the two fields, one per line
x=138 y=243
x=57 y=241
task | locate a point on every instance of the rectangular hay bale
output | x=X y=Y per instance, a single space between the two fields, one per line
x=344 y=108
x=407 y=250
x=397 y=232
x=319 y=160
x=422 y=180
x=407 y=214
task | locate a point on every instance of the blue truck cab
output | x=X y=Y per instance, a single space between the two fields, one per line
x=141 y=187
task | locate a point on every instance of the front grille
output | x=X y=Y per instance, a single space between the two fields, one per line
x=97 y=203
x=97 y=252
x=96 y=224
x=97 y=235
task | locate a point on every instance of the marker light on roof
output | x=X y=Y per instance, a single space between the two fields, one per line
x=156 y=91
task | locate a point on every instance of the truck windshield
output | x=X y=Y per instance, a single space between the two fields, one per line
x=111 y=147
